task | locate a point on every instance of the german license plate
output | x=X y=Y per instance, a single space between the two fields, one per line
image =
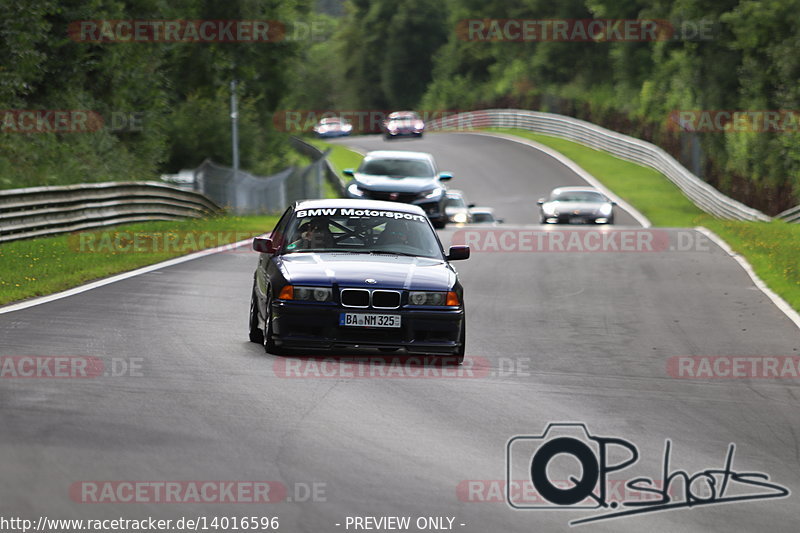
x=576 y=220
x=369 y=320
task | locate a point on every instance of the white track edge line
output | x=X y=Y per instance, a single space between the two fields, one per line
x=573 y=166
x=118 y=277
x=779 y=302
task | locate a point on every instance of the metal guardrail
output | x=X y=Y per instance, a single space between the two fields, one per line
x=701 y=193
x=790 y=215
x=44 y=211
x=315 y=153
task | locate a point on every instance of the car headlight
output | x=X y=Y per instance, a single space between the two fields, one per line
x=354 y=190
x=460 y=218
x=312 y=294
x=431 y=193
x=605 y=209
x=549 y=210
x=347 y=127
x=433 y=298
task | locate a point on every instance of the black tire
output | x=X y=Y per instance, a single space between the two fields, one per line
x=269 y=343
x=256 y=333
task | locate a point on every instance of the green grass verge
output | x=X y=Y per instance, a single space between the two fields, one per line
x=341 y=157
x=770 y=247
x=36 y=267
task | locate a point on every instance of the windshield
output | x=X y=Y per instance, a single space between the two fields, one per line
x=455 y=201
x=403 y=116
x=361 y=231
x=397 y=167
x=482 y=217
x=579 y=196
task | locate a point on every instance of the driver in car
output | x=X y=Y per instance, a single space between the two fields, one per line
x=314 y=235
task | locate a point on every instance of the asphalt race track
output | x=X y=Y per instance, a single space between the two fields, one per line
x=553 y=336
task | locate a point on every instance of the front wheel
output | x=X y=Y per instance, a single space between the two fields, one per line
x=269 y=342
x=256 y=333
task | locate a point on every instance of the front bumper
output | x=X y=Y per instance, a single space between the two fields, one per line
x=571 y=218
x=404 y=133
x=329 y=134
x=316 y=327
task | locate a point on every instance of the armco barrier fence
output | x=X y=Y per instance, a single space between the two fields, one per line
x=316 y=154
x=701 y=193
x=791 y=215
x=42 y=211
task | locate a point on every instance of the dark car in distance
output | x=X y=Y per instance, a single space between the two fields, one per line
x=341 y=274
x=403 y=124
x=402 y=176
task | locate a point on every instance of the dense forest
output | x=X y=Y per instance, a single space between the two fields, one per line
x=164 y=105
x=388 y=54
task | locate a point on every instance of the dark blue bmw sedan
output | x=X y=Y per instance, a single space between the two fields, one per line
x=339 y=274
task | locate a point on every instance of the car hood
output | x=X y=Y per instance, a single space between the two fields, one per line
x=387 y=183
x=571 y=207
x=353 y=269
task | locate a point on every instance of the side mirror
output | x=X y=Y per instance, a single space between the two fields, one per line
x=540 y=201
x=501 y=220
x=458 y=252
x=348 y=172
x=263 y=245
x=471 y=205
x=613 y=203
x=445 y=176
